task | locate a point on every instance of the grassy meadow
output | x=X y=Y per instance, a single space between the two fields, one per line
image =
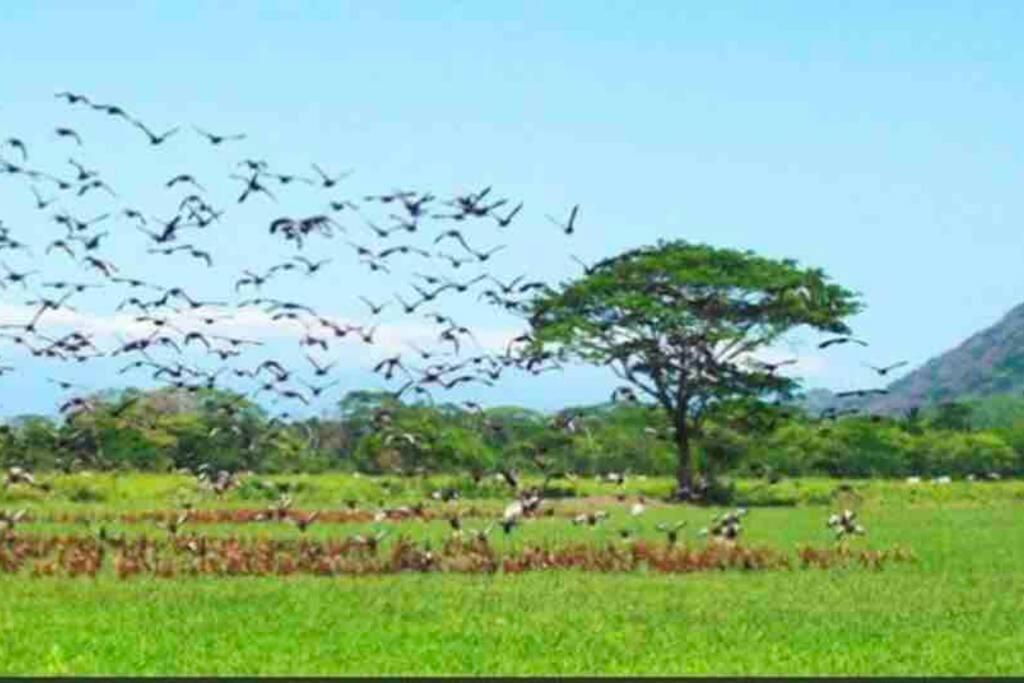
x=953 y=610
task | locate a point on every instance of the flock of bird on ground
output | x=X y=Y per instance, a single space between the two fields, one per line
x=724 y=528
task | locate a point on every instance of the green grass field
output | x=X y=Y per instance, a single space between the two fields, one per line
x=956 y=610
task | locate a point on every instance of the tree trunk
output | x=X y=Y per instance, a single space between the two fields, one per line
x=684 y=471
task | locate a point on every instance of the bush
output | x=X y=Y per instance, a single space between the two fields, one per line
x=257 y=489
x=861 y=448
x=80 y=493
x=762 y=493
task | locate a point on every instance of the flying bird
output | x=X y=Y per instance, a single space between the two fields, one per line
x=883 y=371
x=570 y=225
x=69 y=133
x=155 y=139
x=840 y=340
x=72 y=98
x=18 y=145
x=860 y=393
x=329 y=181
x=218 y=139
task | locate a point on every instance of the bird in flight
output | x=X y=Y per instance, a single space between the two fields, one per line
x=840 y=340
x=184 y=178
x=18 y=145
x=330 y=181
x=861 y=393
x=155 y=139
x=883 y=371
x=770 y=368
x=68 y=133
x=72 y=98
x=504 y=221
x=218 y=139
x=570 y=225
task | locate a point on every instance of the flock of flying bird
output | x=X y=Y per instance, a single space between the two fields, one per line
x=185 y=340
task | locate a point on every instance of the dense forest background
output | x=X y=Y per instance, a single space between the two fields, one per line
x=168 y=429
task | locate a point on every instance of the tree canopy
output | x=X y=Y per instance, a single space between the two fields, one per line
x=680 y=322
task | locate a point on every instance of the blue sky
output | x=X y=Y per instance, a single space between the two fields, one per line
x=878 y=141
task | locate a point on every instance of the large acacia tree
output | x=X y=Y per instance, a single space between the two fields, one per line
x=680 y=323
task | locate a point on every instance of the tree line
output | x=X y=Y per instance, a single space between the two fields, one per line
x=679 y=324
x=167 y=429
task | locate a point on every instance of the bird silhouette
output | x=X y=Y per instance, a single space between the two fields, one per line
x=311 y=266
x=861 y=393
x=84 y=174
x=41 y=203
x=375 y=309
x=569 y=226
x=253 y=185
x=72 y=98
x=883 y=371
x=155 y=139
x=214 y=139
x=329 y=181
x=17 y=144
x=505 y=221
x=184 y=178
x=69 y=133
x=836 y=341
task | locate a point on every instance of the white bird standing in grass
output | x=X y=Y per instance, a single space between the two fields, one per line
x=445 y=495
x=617 y=478
x=845 y=524
x=8 y=520
x=671 y=531
x=18 y=475
x=172 y=526
x=590 y=518
x=638 y=507
x=481 y=534
x=511 y=516
x=726 y=527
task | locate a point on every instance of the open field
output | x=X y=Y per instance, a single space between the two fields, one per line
x=103 y=492
x=955 y=609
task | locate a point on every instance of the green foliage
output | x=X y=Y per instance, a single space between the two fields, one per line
x=82 y=493
x=679 y=322
x=740 y=436
x=422 y=438
x=952 y=415
x=862 y=447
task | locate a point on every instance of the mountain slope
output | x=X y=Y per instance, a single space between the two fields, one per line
x=989 y=362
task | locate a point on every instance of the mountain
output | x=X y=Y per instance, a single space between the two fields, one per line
x=815 y=401
x=989 y=362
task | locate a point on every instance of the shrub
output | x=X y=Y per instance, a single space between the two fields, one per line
x=80 y=493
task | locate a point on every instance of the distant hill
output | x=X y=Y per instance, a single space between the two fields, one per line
x=816 y=400
x=989 y=363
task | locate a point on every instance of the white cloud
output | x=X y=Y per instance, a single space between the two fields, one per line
x=258 y=325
